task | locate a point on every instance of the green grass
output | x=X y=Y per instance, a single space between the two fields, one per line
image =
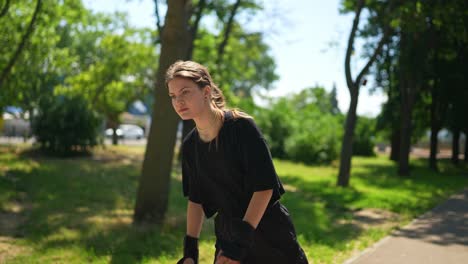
x=79 y=210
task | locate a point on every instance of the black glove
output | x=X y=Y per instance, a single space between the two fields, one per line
x=242 y=238
x=190 y=249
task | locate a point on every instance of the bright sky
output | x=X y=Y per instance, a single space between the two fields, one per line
x=307 y=39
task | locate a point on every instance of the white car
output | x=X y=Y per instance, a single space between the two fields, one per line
x=127 y=131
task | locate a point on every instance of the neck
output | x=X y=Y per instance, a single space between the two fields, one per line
x=209 y=123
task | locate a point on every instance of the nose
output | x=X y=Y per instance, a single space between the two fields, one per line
x=179 y=101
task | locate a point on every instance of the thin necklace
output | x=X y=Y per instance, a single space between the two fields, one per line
x=215 y=118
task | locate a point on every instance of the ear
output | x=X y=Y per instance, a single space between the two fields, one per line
x=207 y=91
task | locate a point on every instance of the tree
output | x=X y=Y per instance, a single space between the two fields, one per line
x=424 y=56
x=247 y=66
x=412 y=57
x=118 y=74
x=236 y=75
x=150 y=208
x=353 y=87
x=43 y=63
x=153 y=188
x=386 y=72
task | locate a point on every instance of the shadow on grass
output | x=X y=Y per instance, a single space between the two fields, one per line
x=322 y=212
x=88 y=204
x=416 y=193
x=319 y=211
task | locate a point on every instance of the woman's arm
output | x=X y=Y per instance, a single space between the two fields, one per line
x=257 y=206
x=195 y=217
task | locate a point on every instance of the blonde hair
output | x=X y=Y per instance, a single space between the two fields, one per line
x=199 y=74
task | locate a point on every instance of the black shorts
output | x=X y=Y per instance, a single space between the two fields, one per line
x=275 y=240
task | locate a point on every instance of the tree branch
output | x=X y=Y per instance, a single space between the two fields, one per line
x=374 y=56
x=349 y=78
x=194 y=28
x=227 y=32
x=158 y=18
x=22 y=44
x=5 y=8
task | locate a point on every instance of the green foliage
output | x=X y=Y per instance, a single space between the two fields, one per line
x=364 y=137
x=316 y=138
x=247 y=65
x=303 y=127
x=117 y=69
x=437 y=28
x=76 y=52
x=66 y=125
x=43 y=62
x=276 y=123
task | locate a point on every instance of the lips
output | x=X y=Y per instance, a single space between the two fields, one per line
x=183 y=110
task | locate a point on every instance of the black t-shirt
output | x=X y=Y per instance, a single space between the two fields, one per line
x=222 y=174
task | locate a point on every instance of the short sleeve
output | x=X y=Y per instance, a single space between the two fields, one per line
x=257 y=160
x=190 y=187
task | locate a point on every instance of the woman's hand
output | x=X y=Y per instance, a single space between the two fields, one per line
x=189 y=261
x=220 y=259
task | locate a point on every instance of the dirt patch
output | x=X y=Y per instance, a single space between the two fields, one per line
x=373 y=218
x=369 y=217
x=9 y=249
x=126 y=156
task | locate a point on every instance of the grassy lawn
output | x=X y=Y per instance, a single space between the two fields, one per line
x=79 y=210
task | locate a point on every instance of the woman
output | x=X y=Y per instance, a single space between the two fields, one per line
x=227 y=169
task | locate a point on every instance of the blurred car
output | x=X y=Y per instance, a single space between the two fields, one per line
x=127 y=131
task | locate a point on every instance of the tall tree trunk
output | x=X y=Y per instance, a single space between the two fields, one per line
x=466 y=146
x=115 y=137
x=437 y=102
x=405 y=135
x=434 y=148
x=353 y=87
x=455 y=145
x=434 y=132
x=410 y=82
x=154 y=184
x=347 y=147
x=113 y=124
x=395 y=142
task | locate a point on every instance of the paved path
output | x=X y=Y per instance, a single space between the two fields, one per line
x=439 y=236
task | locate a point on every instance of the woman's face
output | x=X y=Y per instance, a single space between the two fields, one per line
x=187 y=99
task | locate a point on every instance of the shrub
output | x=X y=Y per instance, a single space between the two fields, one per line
x=316 y=139
x=66 y=125
x=364 y=139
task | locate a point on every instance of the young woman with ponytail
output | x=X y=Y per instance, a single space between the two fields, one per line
x=227 y=170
